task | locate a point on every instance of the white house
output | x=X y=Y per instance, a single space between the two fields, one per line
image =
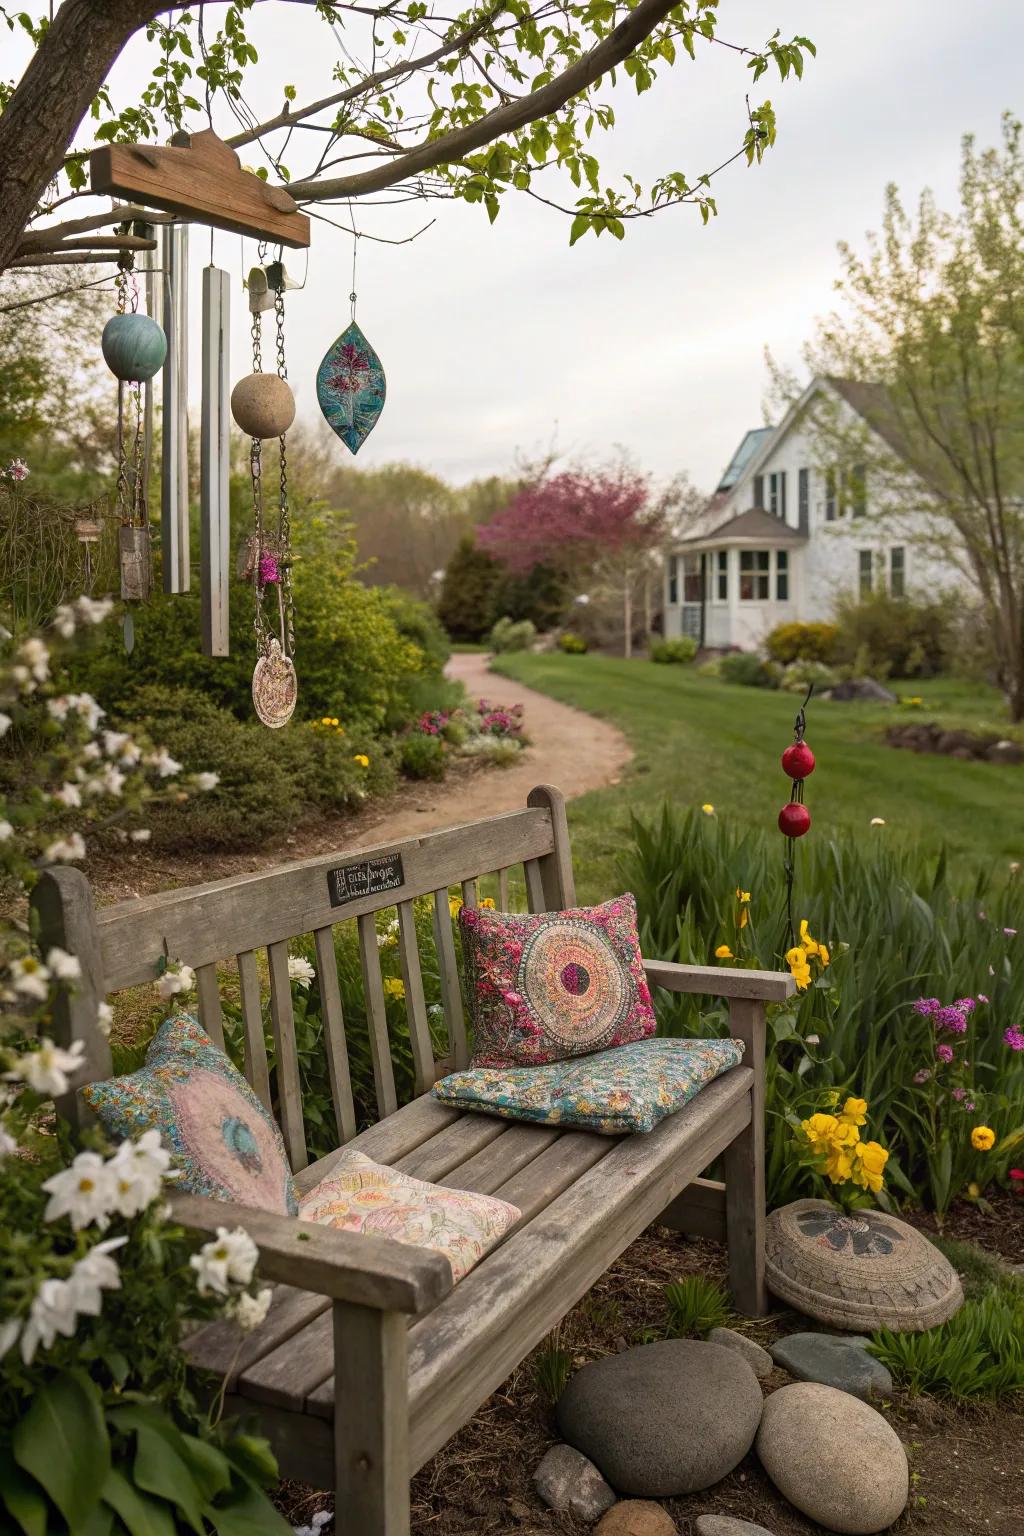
x=782 y=537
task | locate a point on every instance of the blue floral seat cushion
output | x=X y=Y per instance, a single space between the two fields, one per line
x=629 y=1088
x=224 y=1142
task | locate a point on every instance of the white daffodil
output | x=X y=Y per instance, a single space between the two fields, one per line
x=5 y=723
x=250 y=1311
x=69 y=795
x=164 y=763
x=84 y=1192
x=207 y=781
x=7 y=1146
x=96 y=1273
x=35 y=655
x=63 y=966
x=66 y=850
x=46 y=1070
x=94 y=609
x=229 y=1258
x=138 y=1169
x=64 y=621
x=30 y=978
x=104 y=1018
x=9 y=1334
x=300 y=971
x=175 y=979
x=141 y=835
x=52 y=1311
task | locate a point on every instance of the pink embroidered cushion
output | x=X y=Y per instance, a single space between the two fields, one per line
x=359 y=1195
x=555 y=984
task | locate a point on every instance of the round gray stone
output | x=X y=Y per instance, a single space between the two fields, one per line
x=835 y=1458
x=663 y=1419
x=835 y=1361
x=727 y=1525
x=566 y=1480
x=759 y=1360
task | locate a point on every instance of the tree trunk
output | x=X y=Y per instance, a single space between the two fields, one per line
x=627 y=617
x=648 y=603
x=54 y=94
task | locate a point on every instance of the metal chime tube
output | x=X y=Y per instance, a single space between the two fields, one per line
x=215 y=510
x=174 y=529
x=151 y=290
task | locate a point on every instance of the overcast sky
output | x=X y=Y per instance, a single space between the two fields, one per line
x=497 y=339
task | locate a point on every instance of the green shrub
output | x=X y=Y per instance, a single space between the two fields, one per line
x=979 y=1353
x=507 y=635
x=466 y=604
x=572 y=644
x=895 y=636
x=323 y=763
x=695 y=1306
x=422 y=757
x=803 y=642
x=747 y=668
x=798 y=676
x=682 y=648
x=418 y=623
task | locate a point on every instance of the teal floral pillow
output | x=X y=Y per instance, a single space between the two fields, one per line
x=223 y=1141
x=626 y=1089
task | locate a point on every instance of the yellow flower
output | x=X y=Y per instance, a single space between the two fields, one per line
x=796 y=959
x=846 y=1135
x=454 y=905
x=838 y=1165
x=744 y=918
x=334 y=719
x=823 y=954
x=743 y=897
x=326 y=720
x=854 y=1112
x=982 y=1138
x=869 y=1160
x=488 y=901
x=723 y=952
x=362 y=759
x=810 y=945
x=394 y=987
x=708 y=809
x=820 y=1129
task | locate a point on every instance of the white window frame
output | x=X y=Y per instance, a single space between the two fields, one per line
x=757 y=571
x=721 y=569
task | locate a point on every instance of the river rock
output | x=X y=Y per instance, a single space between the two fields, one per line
x=759 y=1360
x=836 y=1459
x=636 y=1517
x=855 y=689
x=665 y=1418
x=727 y=1525
x=835 y=1361
x=567 y=1480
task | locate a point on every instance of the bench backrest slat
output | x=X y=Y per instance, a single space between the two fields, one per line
x=334 y=1033
x=289 y=1089
x=376 y=1017
x=256 y=1067
x=208 y=992
x=415 y=1002
x=448 y=978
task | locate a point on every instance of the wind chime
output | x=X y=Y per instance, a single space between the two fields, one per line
x=263 y=406
x=795 y=818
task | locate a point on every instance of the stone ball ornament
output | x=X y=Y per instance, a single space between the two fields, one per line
x=134 y=347
x=263 y=405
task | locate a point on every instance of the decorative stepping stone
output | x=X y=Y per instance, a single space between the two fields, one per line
x=636 y=1517
x=665 y=1418
x=861 y=1271
x=837 y=1460
x=727 y=1525
x=567 y=1480
x=841 y=1362
x=759 y=1360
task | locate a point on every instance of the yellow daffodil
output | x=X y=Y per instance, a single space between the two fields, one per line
x=796 y=959
x=326 y=720
x=846 y=1135
x=810 y=945
x=823 y=954
x=723 y=952
x=983 y=1139
x=454 y=905
x=708 y=809
x=839 y=1165
x=362 y=759
x=394 y=987
x=854 y=1112
x=488 y=901
x=869 y=1160
x=743 y=897
x=820 y=1129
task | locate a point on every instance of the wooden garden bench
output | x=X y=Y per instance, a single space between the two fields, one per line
x=370 y=1359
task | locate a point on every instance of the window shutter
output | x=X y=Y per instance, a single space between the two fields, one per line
x=782 y=494
x=758 y=491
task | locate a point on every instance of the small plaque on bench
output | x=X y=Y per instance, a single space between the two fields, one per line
x=369 y=877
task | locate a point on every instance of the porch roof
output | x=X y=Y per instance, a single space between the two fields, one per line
x=754 y=529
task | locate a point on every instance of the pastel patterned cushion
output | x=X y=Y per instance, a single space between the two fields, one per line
x=360 y=1195
x=223 y=1140
x=555 y=984
x=613 y=1092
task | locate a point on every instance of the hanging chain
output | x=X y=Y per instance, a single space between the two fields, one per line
x=284 y=531
x=256 y=473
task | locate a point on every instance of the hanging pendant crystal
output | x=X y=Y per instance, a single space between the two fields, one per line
x=351 y=387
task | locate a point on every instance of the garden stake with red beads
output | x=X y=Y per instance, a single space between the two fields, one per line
x=795 y=818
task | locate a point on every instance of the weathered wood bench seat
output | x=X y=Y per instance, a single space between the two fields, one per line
x=370 y=1359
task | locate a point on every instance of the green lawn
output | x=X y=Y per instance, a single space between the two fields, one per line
x=700 y=740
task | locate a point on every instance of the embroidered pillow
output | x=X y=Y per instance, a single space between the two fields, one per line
x=613 y=1092
x=222 y=1139
x=555 y=984
x=360 y=1195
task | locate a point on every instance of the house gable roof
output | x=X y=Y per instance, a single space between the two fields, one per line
x=755 y=526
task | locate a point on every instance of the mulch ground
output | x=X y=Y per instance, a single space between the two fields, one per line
x=967 y=1464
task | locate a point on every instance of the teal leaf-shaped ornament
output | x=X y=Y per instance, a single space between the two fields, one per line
x=351 y=387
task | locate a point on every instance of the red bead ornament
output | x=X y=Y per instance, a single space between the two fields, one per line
x=794 y=819
x=798 y=761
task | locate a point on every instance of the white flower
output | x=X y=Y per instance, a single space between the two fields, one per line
x=813 y=1039
x=878 y=821
x=6 y=831
x=91 y=751
x=300 y=971
x=30 y=977
x=84 y=1192
x=58 y=708
x=94 y=609
x=207 y=780
x=52 y=1312
x=95 y=1273
x=229 y=1257
x=64 y=621
x=104 y=1018
x=8 y=1334
x=64 y=967
x=164 y=763
x=69 y=795
x=137 y=1170
x=141 y=835
x=250 y=1311
x=7 y=1146
x=180 y=978
x=5 y=724
x=36 y=656
x=65 y=849
x=89 y=710
x=111 y=779
x=46 y=1070
x=120 y=745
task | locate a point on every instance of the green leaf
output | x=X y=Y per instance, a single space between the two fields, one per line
x=247 y=1513
x=140 y=1514
x=62 y=1441
x=159 y=1469
x=210 y=1466
x=22 y=1497
x=252 y=1455
x=580 y=225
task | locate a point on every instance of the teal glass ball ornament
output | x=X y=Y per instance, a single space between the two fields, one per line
x=134 y=347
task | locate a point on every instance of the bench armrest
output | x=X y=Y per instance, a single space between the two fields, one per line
x=721 y=981
x=346 y=1266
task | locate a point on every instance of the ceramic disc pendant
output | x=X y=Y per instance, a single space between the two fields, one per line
x=275 y=687
x=351 y=388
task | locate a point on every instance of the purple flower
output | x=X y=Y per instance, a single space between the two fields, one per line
x=950 y=1018
x=1014 y=1038
x=959 y=1094
x=1011 y=933
x=944 y=1053
x=965 y=1004
x=982 y=998
x=970 y=1106
x=268 y=568
x=926 y=1006
x=923 y=1076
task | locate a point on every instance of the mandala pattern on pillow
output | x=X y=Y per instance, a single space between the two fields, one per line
x=613 y=1092
x=359 y=1195
x=222 y=1139
x=555 y=984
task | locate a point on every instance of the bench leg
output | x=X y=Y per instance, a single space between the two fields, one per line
x=371 y=1421
x=744 y=1173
